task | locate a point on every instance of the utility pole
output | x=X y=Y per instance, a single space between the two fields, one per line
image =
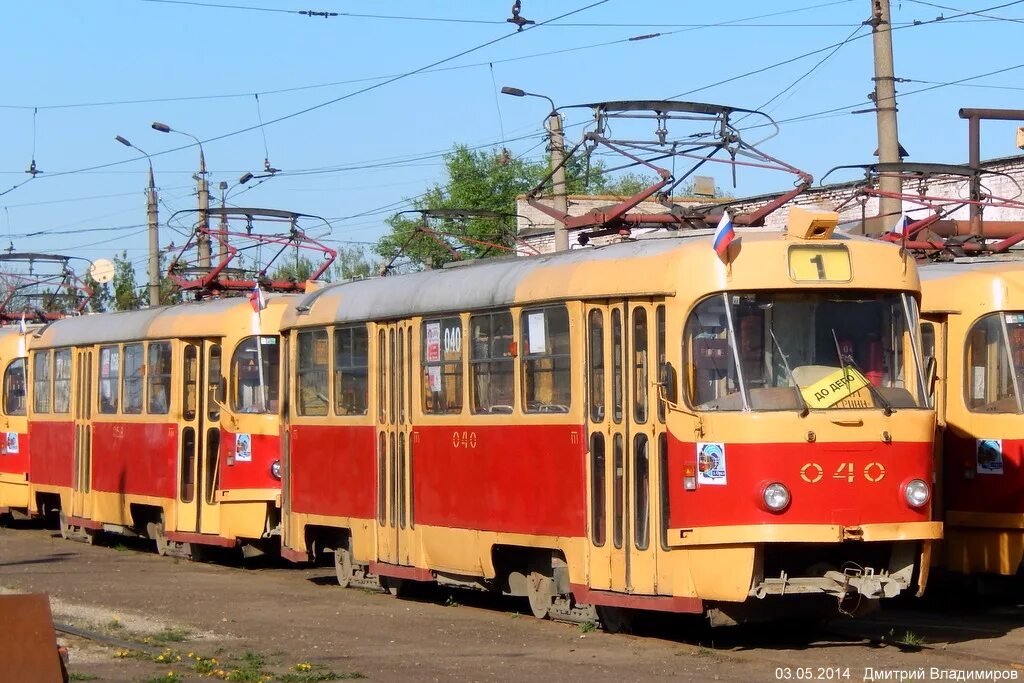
x=889 y=208
x=222 y=234
x=154 y=242
x=203 y=238
x=561 y=201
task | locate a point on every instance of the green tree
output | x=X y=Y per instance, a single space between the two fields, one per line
x=482 y=180
x=100 y=299
x=352 y=262
x=127 y=293
x=297 y=269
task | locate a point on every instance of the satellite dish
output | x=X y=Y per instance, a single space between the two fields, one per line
x=102 y=270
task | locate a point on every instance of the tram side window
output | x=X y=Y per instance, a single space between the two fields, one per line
x=62 y=381
x=491 y=359
x=995 y=364
x=41 y=382
x=158 y=374
x=546 y=365
x=109 y=369
x=351 y=368
x=131 y=387
x=256 y=375
x=312 y=361
x=14 y=387
x=442 y=366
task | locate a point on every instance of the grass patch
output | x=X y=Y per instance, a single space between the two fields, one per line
x=75 y=676
x=115 y=624
x=588 y=627
x=169 y=677
x=908 y=639
x=318 y=677
x=172 y=635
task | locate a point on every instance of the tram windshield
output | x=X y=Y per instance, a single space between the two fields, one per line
x=807 y=350
x=994 y=356
x=256 y=375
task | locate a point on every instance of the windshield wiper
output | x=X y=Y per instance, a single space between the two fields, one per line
x=805 y=409
x=887 y=408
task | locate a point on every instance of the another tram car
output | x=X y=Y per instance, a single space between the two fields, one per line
x=973 y=328
x=162 y=423
x=15 y=463
x=641 y=425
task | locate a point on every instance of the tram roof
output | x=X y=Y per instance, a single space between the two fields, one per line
x=212 y=318
x=641 y=268
x=977 y=284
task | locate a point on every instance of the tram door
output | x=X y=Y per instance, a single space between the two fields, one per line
x=394 y=452
x=626 y=432
x=199 y=443
x=81 y=501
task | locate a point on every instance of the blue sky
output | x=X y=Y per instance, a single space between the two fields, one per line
x=198 y=68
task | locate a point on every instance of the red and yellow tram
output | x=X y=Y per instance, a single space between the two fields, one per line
x=161 y=423
x=973 y=328
x=640 y=425
x=15 y=463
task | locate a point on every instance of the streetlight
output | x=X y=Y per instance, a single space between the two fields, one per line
x=559 y=199
x=203 y=190
x=154 y=236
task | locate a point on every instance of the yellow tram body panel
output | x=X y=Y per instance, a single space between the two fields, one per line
x=15 y=451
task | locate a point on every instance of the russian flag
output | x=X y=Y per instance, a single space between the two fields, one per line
x=724 y=234
x=256 y=298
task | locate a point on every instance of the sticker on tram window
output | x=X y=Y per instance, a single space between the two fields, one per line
x=1014 y=318
x=434 y=377
x=843 y=388
x=815 y=263
x=11 y=443
x=243 y=447
x=711 y=463
x=433 y=342
x=990 y=456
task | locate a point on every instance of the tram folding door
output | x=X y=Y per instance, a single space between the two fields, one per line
x=625 y=433
x=81 y=501
x=394 y=450
x=199 y=443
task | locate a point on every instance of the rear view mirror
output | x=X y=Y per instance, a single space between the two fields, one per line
x=667 y=382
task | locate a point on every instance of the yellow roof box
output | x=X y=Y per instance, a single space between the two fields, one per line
x=811 y=224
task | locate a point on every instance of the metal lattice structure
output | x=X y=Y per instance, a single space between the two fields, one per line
x=718 y=140
x=244 y=250
x=38 y=287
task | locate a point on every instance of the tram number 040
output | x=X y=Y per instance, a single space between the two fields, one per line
x=873 y=472
x=463 y=439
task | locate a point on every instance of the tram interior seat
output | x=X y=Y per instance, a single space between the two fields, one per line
x=1003 y=405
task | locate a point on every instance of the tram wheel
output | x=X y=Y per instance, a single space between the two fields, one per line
x=343 y=566
x=540 y=594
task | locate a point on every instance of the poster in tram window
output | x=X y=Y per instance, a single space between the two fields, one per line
x=538 y=333
x=990 y=456
x=711 y=464
x=433 y=342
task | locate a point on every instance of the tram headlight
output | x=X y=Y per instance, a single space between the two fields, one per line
x=275 y=469
x=917 y=493
x=776 y=497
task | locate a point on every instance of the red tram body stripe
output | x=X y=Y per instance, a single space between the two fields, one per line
x=252 y=474
x=14 y=463
x=845 y=484
x=527 y=479
x=333 y=470
x=988 y=489
x=135 y=458
x=53 y=446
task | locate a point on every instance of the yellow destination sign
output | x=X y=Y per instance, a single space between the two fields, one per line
x=840 y=387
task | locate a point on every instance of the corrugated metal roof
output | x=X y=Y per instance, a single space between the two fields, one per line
x=198 y=319
x=485 y=284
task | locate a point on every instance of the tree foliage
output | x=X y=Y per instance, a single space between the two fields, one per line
x=483 y=180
